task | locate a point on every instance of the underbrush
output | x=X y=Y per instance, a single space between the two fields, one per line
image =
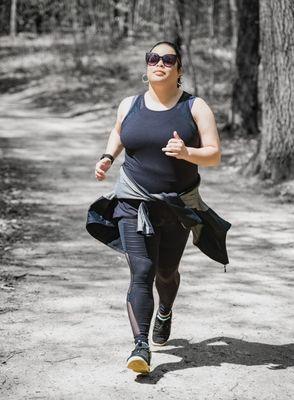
x=60 y=73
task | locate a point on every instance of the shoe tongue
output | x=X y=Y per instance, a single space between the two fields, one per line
x=142 y=344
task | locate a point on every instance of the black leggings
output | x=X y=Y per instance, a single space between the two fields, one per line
x=151 y=257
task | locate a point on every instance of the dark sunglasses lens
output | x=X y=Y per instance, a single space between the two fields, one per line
x=152 y=59
x=169 y=60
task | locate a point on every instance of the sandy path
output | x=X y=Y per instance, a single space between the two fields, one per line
x=64 y=329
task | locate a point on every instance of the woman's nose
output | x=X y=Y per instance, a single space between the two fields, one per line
x=160 y=63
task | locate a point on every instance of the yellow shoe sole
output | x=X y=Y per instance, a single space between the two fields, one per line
x=137 y=364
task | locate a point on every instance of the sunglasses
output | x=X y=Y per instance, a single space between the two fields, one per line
x=168 y=59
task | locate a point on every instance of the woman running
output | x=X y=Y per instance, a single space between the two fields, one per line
x=166 y=133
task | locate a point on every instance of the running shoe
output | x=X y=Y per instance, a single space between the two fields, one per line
x=140 y=358
x=161 y=329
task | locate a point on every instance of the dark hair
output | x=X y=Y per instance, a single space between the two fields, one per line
x=178 y=53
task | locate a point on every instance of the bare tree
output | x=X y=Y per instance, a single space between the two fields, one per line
x=180 y=33
x=244 y=98
x=274 y=158
x=211 y=12
x=222 y=21
x=233 y=14
x=13 y=18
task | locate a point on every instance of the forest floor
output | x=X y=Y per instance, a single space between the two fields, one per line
x=64 y=327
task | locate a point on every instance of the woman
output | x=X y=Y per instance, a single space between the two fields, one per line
x=166 y=133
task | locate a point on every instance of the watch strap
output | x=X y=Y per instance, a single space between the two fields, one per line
x=108 y=156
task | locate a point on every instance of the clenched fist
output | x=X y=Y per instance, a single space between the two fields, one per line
x=176 y=147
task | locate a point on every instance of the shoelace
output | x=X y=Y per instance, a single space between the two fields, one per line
x=142 y=345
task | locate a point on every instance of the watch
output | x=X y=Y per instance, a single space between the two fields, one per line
x=108 y=156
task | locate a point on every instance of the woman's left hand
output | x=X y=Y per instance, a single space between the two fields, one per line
x=176 y=147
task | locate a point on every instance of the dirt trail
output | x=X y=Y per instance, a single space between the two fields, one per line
x=65 y=333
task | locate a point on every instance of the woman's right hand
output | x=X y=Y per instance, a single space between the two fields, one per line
x=101 y=168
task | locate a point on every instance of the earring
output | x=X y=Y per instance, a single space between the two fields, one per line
x=143 y=80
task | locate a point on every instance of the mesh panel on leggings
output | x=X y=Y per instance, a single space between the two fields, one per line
x=159 y=254
x=140 y=300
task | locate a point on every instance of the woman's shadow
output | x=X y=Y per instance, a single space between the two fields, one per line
x=218 y=350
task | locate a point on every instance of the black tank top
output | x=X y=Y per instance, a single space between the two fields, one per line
x=143 y=134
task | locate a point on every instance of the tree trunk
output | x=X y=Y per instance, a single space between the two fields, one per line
x=92 y=15
x=244 y=97
x=13 y=18
x=180 y=33
x=132 y=19
x=211 y=11
x=114 y=40
x=222 y=22
x=275 y=157
x=170 y=12
x=233 y=14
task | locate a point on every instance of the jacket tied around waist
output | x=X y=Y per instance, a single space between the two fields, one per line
x=209 y=230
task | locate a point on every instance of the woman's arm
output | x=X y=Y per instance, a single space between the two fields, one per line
x=210 y=152
x=114 y=145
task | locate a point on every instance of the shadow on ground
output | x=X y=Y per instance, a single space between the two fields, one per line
x=219 y=350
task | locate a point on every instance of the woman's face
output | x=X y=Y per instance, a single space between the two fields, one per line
x=159 y=73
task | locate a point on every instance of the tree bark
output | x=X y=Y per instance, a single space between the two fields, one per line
x=244 y=97
x=13 y=18
x=115 y=24
x=211 y=11
x=222 y=22
x=275 y=157
x=233 y=14
x=170 y=12
x=180 y=33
